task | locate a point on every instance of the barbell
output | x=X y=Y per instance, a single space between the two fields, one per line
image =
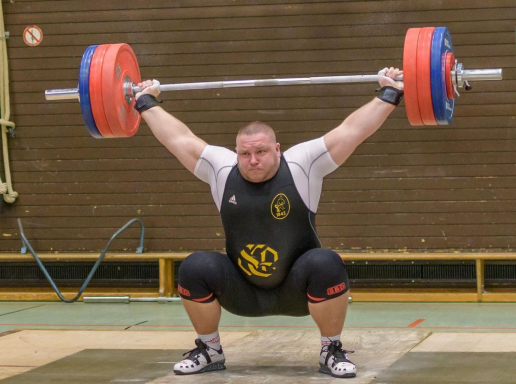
x=108 y=75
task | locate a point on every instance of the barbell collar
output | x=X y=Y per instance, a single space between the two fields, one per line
x=460 y=75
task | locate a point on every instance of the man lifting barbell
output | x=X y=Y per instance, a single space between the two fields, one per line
x=267 y=200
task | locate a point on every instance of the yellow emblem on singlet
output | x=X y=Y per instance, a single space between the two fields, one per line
x=259 y=261
x=280 y=206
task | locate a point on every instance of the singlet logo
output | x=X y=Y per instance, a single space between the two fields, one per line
x=336 y=289
x=280 y=206
x=259 y=261
x=183 y=291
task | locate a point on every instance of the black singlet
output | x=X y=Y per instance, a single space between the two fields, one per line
x=267 y=226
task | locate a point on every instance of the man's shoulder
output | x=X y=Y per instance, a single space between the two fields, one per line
x=307 y=148
x=218 y=155
x=312 y=157
x=213 y=159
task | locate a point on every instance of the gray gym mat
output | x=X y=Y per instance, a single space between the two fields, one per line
x=103 y=366
x=451 y=368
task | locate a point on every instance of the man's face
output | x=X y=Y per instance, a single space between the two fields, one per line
x=258 y=157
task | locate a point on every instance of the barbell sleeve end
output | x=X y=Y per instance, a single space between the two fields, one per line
x=62 y=94
x=482 y=74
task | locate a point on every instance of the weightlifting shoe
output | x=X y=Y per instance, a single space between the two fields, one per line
x=334 y=361
x=201 y=359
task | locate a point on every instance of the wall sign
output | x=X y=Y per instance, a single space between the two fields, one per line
x=32 y=35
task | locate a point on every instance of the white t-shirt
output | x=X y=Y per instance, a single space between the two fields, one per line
x=308 y=162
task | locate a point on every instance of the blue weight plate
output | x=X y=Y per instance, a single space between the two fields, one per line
x=84 y=92
x=443 y=107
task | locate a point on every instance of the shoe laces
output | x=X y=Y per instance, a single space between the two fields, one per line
x=200 y=349
x=339 y=354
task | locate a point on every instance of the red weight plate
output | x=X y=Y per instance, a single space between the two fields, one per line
x=424 y=88
x=450 y=62
x=120 y=68
x=409 y=76
x=96 y=85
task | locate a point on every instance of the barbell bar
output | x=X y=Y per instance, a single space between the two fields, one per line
x=132 y=89
x=432 y=76
x=129 y=299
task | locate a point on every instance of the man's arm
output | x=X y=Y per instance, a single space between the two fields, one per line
x=171 y=132
x=342 y=141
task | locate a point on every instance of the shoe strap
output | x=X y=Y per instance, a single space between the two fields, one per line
x=200 y=349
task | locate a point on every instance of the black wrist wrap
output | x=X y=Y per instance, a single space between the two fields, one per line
x=145 y=102
x=391 y=95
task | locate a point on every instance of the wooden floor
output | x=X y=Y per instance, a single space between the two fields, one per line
x=260 y=356
x=107 y=343
x=252 y=357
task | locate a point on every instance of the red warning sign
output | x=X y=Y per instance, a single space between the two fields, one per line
x=32 y=35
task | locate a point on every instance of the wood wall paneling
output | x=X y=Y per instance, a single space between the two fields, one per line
x=406 y=188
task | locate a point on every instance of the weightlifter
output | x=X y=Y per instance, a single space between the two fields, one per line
x=268 y=200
